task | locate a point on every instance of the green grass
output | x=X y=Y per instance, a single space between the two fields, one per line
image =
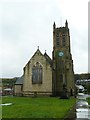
x=0 y=108
x=26 y=107
x=88 y=99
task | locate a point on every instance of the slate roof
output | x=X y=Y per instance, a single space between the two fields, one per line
x=19 y=81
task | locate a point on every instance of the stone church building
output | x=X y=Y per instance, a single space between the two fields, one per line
x=45 y=76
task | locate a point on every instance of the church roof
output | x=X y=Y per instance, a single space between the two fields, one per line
x=38 y=52
x=19 y=81
x=48 y=58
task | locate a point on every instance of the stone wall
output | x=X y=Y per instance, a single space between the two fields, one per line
x=18 y=90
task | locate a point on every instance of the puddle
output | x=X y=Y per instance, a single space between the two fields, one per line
x=82 y=107
x=81 y=96
x=83 y=113
x=82 y=110
x=82 y=103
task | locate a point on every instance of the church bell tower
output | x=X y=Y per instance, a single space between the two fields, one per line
x=63 y=73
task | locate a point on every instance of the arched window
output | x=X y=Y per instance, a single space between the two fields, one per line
x=37 y=74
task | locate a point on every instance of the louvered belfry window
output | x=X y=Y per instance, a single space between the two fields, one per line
x=37 y=73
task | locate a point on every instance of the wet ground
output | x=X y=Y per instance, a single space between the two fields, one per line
x=81 y=111
x=82 y=107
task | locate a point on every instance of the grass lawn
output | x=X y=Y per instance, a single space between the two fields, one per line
x=88 y=100
x=46 y=107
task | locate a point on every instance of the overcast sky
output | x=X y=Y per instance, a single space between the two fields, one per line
x=26 y=24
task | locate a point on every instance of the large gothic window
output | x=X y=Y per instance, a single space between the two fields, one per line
x=37 y=73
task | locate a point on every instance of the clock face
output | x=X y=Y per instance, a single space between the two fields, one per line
x=61 y=53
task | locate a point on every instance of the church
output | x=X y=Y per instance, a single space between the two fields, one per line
x=43 y=76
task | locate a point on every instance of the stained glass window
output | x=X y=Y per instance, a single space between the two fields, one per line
x=37 y=73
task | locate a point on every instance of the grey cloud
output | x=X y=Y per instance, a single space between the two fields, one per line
x=25 y=25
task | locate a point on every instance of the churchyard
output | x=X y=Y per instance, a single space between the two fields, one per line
x=40 y=107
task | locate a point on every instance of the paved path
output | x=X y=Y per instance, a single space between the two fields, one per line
x=72 y=113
